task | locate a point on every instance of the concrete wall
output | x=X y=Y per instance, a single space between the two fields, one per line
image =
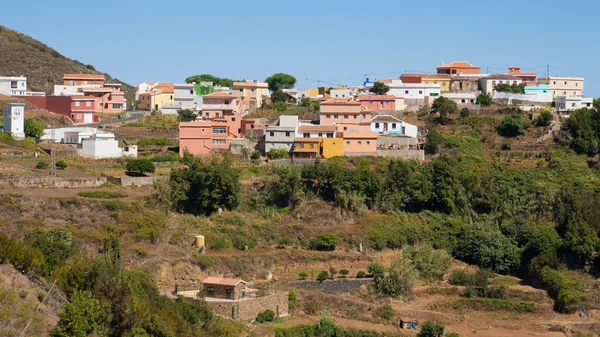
x=537 y=97
x=50 y=182
x=136 y=181
x=248 y=308
x=404 y=154
x=386 y=142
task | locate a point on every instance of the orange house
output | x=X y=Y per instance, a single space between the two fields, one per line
x=247 y=126
x=83 y=79
x=306 y=148
x=345 y=114
x=202 y=136
x=458 y=68
x=359 y=143
x=377 y=102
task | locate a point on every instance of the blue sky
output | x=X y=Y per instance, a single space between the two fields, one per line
x=336 y=42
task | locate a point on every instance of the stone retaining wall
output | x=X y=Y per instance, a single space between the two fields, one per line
x=50 y=182
x=248 y=308
x=137 y=181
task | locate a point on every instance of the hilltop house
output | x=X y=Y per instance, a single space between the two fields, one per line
x=390 y=125
x=458 y=68
x=345 y=114
x=203 y=136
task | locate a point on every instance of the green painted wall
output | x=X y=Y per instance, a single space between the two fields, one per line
x=202 y=90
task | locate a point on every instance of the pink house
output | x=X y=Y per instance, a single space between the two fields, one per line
x=345 y=114
x=222 y=105
x=359 y=143
x=202 y=136
x=377 y=102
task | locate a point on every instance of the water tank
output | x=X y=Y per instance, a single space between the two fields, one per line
x=199 y=243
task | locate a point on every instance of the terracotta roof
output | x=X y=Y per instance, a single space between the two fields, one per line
x=385 y=118
x=376 y=97
x=345 y=101
x=457 y=64
x=83 y=76
x=412 y=75
x=306 y=140
x=502 y=76
x=223 y=281
x=316 y=128
x=220 y=94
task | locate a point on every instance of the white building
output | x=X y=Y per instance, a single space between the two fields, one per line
x=185 y=97
x=14 y=120
x=390 y=125
x=13 y=86
x=104 y=145
x=340 y=93
x=60 y=134
x=570 y=103
x=488 y=83
x=564 y=86
x=413 y=93
x=461 y=98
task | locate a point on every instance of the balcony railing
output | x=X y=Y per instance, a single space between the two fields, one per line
x=206 y=106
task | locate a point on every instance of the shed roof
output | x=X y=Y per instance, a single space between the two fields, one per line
x=385 y=118
x=457 y=64
x=223 y=281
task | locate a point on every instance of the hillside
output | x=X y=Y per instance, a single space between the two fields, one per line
x=42 y=65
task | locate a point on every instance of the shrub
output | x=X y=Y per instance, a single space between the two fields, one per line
x=255 y=155
x=61 y=165
x=332 y=272
x=266 y=316
x=278 y=154
x=102 y=195
x=544 y=119
x=431 y=264
x=386 y=312
x=344 y=272
x=460 y=277
x=325 y=242
x=33 y=128
x=465 y=113
x=323 y=275
x=361 y=274
x=506 y=147
x=292 y=298
x=139 y=167
x=284 y=241
x=220 y=242
x=115 y=205
x=496 y=292
x=431 y=329
x=303 y=275
x=484 y=99
x=42 y=164
x=511 y=126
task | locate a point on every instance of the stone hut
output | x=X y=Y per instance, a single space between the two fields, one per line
x=224 y=288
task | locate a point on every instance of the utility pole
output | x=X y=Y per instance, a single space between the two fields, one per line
x=547 y=71
x=52 y=155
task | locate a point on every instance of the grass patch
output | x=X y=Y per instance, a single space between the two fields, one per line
x=491 y=304
x=102 y=194
x=27 y=144
x=156 y=122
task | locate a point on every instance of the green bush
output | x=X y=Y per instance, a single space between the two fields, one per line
x=511 y=126
x=544 y=119
x=61 y=165
x=219 y=242
x=139 y=167
x=460 y=277
x=323 y=275
x=292 y=298
x=303 y=275
x=361 y=274
x=33 y=128
x=115 y=205
x=266 y=316
x=255 y=155
x=344 y=272
x=465 y=113
x=325 y=242
x=102 y=195
x=42 y=164
x=431 y=329
x=278 y=154
x=386 y=312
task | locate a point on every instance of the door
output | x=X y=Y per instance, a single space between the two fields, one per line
x=385 y=126
x=232 y=312
x=228 y=293
x=155 y=107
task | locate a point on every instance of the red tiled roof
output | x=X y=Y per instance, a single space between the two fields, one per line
x=457 y=64
x=385 y=118
x=316 y=128
x=223 y=281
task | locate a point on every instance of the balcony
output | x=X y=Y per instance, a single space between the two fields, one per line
x=206 y=106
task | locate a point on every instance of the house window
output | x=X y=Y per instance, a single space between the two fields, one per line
x=272 y=134
x=330 y=135
x=573 y=104
x=218 y=141
x=345 y=116
x=576 y=84
x=554 y=82
x=368 y=142
x=565 y=82
x=77 y=103
x=347 y=142
x=233 y=119
x=301 y=146
x=355 y=116
x=216 y=114
x=210 y=291
x=364 y=116
x=335 y=116
x=252 y=90
x=90 y=104
x=71 y=82
x=13 y=84
x=225 y=102
x=191 y=92
x=171 y=97
x=287 y=134
x=208 y=114
x=218 y=101
x=564 y=92
x=312 y=146
x=345 y=128
x=328 y=116
x=219 y=130
x=320 y=134
x=420 y=92
x=359 y=142
x=210 y=101
x=376 y=125
x=406 y=92
x=393 y=125
x=306 y=135
x=84 y=82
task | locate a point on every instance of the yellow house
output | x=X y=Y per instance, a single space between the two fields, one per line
x=331 y=147
x=154 y=100
x=441 y=79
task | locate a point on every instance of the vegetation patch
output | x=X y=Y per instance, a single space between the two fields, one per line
x=487 y=304
x=102 y=194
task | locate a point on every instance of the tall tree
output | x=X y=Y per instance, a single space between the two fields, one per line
x=217 y=81
x=280 y=81
x=379 y=88
x=484 y=99
x=444 y=107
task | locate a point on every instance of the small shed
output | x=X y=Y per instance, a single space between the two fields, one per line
x=224 y=288
x=407 y=323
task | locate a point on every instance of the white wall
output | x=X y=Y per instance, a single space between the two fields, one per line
x=410 y=130
x=537 y=97
x=14 y=118
x=6 y=88
x=340 y=93
x=100 y=148
x=410 y=90
x=487 y=84
x=59 y=133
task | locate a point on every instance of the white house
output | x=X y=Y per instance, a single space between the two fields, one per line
x=340 y=93
x=104 y=145
x=309 y=130
x=60 y=134
x=570 y=103
x=186 y=97
x=14 y=119
x=390 y=125
x=413 y=93
x=13 y=85
x=461 y=98
x=488 y=83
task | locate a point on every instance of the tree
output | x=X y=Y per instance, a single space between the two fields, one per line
x=597 y=104
x=544 y=119
x=511 y=126
x=431 y=329
x=323 y=275
x=380 y=88
x=204 y=186
x=464 y=113
x=325 y=242
x=278 y=96
x=444 y=107
x=139 y=167
x=583 y=125
x=34 y=128
x=186 y=115
x=82 y=317
x=332 y=272
x=487 y=250
x=280 y=81
x=484 y=99
x=217 y=81
x=61 y=165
